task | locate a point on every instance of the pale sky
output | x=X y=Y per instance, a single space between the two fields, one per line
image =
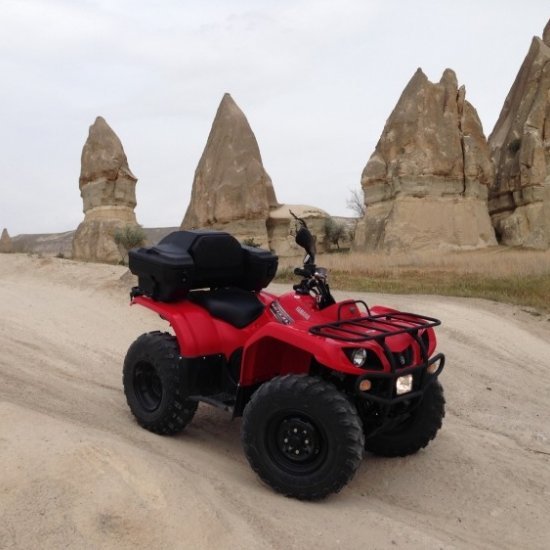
x=316 y=79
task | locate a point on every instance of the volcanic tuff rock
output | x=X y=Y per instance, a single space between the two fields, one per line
x=519 y=202
x=281 y=228
x=425 y=185
x=107 y=187
x=231 y=190
x=5 y=242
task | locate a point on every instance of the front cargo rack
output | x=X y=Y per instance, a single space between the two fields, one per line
x=375 y=327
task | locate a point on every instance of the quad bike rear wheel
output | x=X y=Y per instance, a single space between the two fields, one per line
x=416 y=431
x=154 y=384
x=302 y=436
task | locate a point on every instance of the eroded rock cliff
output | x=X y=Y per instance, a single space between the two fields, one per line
x=426 y=184
x=519 y=201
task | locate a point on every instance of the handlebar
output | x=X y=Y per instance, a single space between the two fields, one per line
x=314 y=280
x=302 y=272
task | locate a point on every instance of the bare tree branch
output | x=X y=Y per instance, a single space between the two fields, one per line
x=356 y=202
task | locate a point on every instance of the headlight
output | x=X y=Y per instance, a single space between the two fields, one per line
x=359 y=356
x=404 y=384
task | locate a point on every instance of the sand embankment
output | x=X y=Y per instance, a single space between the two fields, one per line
x=77 y=471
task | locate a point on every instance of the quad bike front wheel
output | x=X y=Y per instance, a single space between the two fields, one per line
x=155 y=386
x=416 y=430
x=302 y=436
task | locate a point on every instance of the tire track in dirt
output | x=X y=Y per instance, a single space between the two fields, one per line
x=70 y=444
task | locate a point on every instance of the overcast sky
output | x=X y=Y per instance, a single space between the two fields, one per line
x=316 y=79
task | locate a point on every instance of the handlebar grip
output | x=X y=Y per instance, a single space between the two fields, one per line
x=301 y=272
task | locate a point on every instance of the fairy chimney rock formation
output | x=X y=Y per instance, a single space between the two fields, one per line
x=519 y=201
x=5 y=242
x=231 y=189
x=426 y=184
x=107 y=187
x=546 y=34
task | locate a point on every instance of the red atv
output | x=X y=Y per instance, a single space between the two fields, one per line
x=315 y=381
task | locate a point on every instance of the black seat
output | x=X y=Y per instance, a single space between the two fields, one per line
x=233 y=305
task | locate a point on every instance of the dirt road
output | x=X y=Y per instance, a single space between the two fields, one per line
x=76 y=471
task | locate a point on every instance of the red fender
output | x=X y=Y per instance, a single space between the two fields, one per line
x=278 y=349
x=197 y=332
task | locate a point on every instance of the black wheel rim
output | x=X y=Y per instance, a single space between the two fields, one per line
x=147 y=386
x=295 y=442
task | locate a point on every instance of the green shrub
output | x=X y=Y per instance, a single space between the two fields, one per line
x=334 y=231
x=251 y=242
x=128 y=237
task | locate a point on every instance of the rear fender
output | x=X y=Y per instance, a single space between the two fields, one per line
x=197 y=332
x=176 y=314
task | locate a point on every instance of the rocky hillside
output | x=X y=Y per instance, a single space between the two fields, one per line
x=53 y=244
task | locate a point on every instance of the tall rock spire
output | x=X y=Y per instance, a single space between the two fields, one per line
x=546 y=34
x=103 y=158
x=231 y=189
x=5 y=242
x=519 y=202
x=425 y=185
x=107 y=187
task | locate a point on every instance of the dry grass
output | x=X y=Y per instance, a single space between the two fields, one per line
x=503 y=274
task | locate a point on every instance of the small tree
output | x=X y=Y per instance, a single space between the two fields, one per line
x=356 y=202
x=249 y=241
x=334 y=231
x=128 y=237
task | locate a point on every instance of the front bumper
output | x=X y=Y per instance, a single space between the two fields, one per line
x=383 y=390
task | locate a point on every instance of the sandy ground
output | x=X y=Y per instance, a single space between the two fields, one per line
x=76 y=471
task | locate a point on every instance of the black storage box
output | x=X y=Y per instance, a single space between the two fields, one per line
x=260 y=266
x=186 y=260
x=164 y=275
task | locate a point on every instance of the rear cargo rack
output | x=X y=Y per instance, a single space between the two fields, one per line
x=375 y=327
